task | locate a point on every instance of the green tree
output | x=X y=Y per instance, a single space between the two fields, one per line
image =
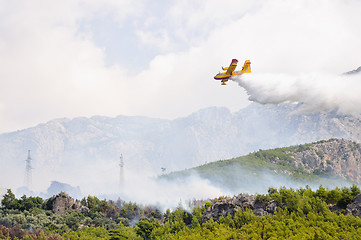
x=92 y=203
x=9 y=201
x=244 y=217
x=144 y=228
x=345 y=198
x=27 y=203
x=321 y=193
x=354 y=190
x=333 y=196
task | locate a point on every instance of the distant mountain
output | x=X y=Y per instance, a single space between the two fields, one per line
x=358 y=70
x=54 y=188
x=86 y=150
x=57 y=187
x=335 y=162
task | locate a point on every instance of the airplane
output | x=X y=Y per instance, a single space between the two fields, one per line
x=224 y=76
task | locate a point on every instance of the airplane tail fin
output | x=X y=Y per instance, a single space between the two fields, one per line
x=247 y=66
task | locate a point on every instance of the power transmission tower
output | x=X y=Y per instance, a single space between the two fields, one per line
x=28 y=168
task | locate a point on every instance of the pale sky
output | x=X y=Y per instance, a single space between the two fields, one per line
x=158 y=58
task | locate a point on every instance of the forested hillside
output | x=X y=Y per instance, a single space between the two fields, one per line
x=296 y=214
x=334 y=162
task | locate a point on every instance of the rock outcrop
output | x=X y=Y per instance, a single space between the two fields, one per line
x=337 y=157
x=62 y=203
x=354 y=208
x=223 y=206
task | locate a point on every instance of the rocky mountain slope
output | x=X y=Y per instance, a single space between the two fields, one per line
x=331 y=163
x=81 y=149
x=334 y=157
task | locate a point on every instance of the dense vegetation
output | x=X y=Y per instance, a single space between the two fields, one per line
x=302 y=214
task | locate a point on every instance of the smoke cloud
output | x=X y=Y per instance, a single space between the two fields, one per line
x=179 y=191
x=169 y=193
x=146 y=188
x=316 y=91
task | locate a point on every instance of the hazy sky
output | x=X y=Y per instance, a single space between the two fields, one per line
x=158 y=58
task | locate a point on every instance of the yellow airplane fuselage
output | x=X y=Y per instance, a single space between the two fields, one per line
x=224 y=76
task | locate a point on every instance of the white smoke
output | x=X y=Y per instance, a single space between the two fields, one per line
x=169 y=193
x=315 y=91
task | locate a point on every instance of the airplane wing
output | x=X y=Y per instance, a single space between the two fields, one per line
x=232 y=67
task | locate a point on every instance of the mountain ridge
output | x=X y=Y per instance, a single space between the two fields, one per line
x=330 y=163
x=90 y=147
